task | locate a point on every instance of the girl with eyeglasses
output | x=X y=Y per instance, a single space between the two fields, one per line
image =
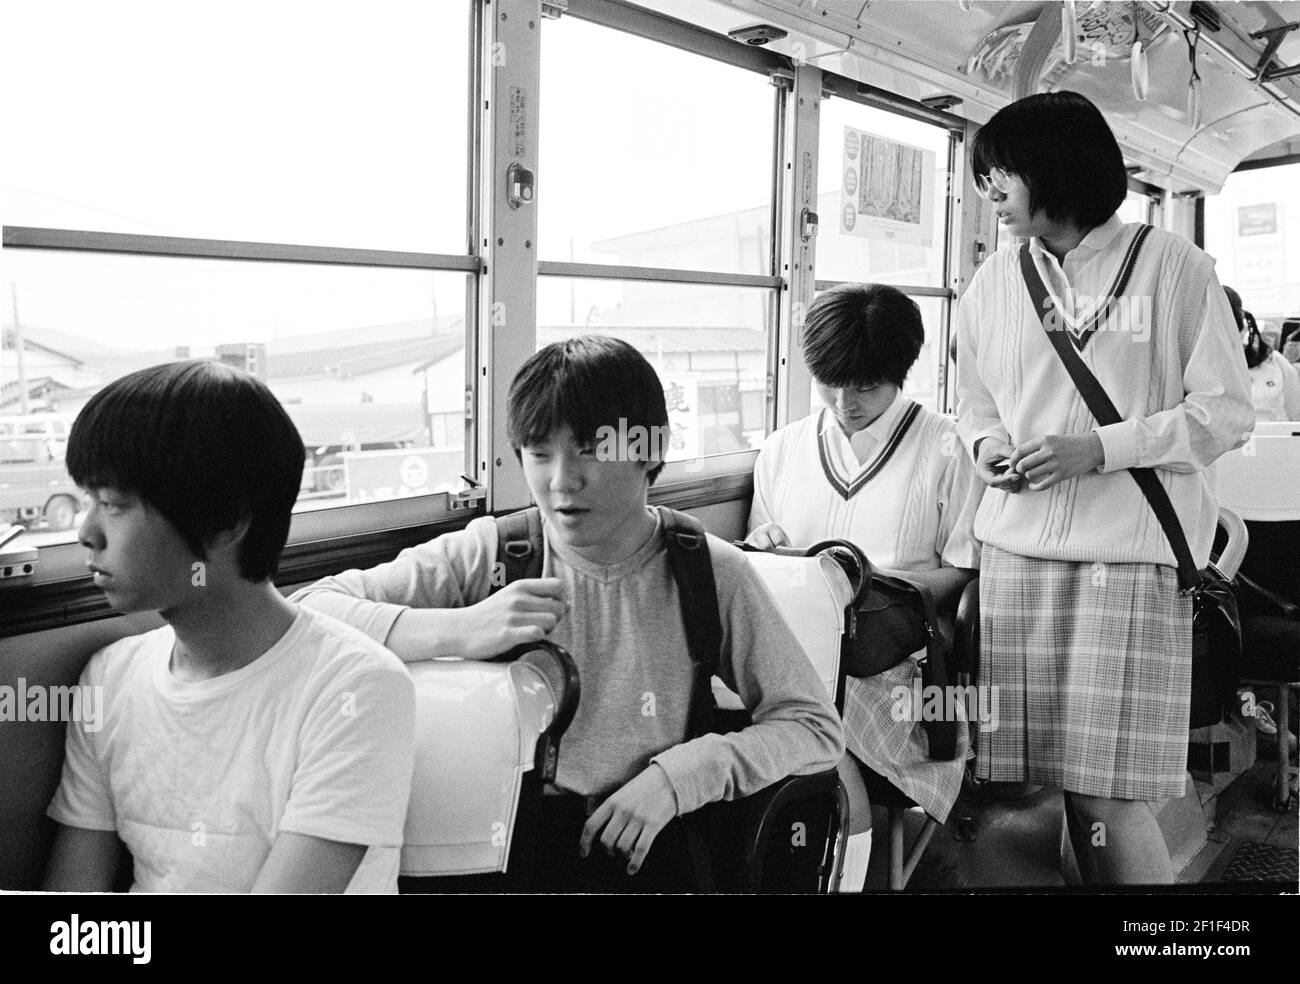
x=1083 y=629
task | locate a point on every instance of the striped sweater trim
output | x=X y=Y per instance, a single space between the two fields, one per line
x=1081 y=337
x=841 y=484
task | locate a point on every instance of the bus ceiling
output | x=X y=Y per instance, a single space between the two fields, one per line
x=972 y=58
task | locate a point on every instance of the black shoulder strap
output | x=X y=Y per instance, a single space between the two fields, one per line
x=519 y=552
x=519 y=547
x=1104 y=410
x=692 y=570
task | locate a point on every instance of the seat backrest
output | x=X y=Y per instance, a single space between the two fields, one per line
x=477 y=731
x=31 y=752
x=1277 y=428
x=812 y=594
x=1258 y=480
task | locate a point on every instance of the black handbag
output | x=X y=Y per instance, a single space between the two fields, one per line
x=1216 y=625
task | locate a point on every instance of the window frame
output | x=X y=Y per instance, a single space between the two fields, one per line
x=728 y=475
x=367 y=533
x=61 y=591
x=843 y=88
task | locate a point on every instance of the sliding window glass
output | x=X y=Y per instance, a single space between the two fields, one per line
x=1250 y=230
x=655 y=220
x=282 y=186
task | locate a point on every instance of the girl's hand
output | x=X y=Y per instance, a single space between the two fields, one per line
x=768 y=537
x=1050 y=460
x=990 y=467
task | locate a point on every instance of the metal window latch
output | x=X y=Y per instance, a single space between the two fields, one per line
x=463 y=497
x=807 y=225
x=519 y=185
x=16 y=562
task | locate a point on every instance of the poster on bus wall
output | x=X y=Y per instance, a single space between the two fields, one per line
x=887 y=190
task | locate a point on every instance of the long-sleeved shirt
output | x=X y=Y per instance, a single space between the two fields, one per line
x=1275 y=389
x=1169 y=358
x=625 y=631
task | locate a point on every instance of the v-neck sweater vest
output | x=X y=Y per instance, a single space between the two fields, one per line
x=1012 y=386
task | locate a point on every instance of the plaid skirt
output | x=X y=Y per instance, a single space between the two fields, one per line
x=1093 y=669
x=883 y=728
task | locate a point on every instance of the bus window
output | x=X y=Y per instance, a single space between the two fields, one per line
x=922 y=382
x=696 y=193
x=691 y=210
x=882 y=183
x=1247 y=231
x=334 y=130
x=289 y=218
x=707 y=343
x=1136 y=207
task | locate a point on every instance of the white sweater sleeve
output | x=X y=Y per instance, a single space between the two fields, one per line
x=977 y=413
x=1215 y=415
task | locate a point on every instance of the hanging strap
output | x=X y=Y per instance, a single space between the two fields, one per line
x=1103 y=410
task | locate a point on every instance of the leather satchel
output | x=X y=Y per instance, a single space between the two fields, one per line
x=1216 y=625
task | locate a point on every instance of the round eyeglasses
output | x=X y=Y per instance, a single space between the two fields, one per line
x=996 y=178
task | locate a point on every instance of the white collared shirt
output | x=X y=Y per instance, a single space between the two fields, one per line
x=1060 y=277
x=853 y=452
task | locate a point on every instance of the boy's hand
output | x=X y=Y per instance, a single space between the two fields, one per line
x=525 y=611
x=767 y=537
x=1050 y=460
x=993 y=452
x=630 y=820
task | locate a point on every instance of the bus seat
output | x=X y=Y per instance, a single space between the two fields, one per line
x=812 y=594
x=31 y=752
x=1277 y=428
x=1257 y=481
x=487 y=737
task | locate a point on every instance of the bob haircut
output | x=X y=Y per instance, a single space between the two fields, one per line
x=203 y=443
x=1256 y=349
x=586 y=383
x=1058 y=143
x=862 y=334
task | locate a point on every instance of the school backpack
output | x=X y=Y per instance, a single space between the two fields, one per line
x=740 y=845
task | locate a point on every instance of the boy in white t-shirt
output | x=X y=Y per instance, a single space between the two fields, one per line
x=248 y=745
